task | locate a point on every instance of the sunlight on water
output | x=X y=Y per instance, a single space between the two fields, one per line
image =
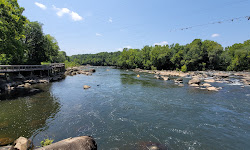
x=123 y=111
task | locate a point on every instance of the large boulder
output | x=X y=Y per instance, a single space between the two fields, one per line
x=194 y=81
x=22 y=144
x=77 y=143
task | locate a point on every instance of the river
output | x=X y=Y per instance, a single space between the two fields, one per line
x=122 y=111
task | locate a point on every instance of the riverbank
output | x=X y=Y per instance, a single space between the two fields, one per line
x=202 y=79
x=76 y=143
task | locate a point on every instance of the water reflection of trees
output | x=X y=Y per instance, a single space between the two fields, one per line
x=25 y=116
x=146 y=80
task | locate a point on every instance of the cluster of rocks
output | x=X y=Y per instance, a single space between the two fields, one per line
x=196 y=82
x=25 y=82
x=160 y=77
x=77 y=70
x=199 y=77
x=77 y=143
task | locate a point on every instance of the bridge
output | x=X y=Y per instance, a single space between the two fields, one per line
x=51 y=68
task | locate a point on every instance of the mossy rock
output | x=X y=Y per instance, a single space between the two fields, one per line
x=6 y=141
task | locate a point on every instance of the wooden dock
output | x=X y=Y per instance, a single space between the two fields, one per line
x=51 y=68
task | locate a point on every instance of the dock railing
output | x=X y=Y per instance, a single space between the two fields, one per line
x=21 y=68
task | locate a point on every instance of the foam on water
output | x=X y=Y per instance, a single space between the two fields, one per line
x=235 y=82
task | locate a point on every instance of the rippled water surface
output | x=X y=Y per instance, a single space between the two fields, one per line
x=122 y=111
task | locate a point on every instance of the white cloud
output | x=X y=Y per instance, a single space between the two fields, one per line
x=162 y=43
x=61 y=11
x=128 y=47
x=110 y=20
x=98 y=34
x=120 y=49
x=40 y=5
x=215 y=35
x=75 y=16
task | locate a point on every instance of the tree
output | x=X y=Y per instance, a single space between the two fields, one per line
x=51 y=49
x=214 y=51
x=240 y=56
x=11 y=32
x=34 y=43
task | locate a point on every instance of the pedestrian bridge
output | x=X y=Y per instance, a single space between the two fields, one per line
x=23 y=68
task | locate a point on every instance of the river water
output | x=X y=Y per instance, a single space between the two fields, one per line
x=122 y=111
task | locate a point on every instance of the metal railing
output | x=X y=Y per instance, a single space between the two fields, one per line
x=19 y=68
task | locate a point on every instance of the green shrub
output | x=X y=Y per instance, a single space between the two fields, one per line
x=184 y=68
x=153 y=68
x=46 y=142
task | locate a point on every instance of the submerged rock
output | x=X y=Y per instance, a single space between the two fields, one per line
x=4 y=124
x=151 y=146
x=6 y=141
x=34 y=90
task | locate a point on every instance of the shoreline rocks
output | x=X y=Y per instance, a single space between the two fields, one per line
x=76 y=143
x=19 y=81
x=78 y=70
x=205 y=77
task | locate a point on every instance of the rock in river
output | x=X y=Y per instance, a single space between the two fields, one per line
x=22 y=143
x=212 y=88
x=178 y=80
x=86 y=86
x=165 y=78
x=6 y=141
x=209 y=80
x=194 y=81
x=206 y=84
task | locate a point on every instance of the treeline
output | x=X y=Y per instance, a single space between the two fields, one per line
x=23 y=41
x=99 y=59
x=198 y=55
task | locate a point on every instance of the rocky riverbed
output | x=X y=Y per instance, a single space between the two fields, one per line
x=202 y=79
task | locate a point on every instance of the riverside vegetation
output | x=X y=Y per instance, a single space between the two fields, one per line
x=198 y=55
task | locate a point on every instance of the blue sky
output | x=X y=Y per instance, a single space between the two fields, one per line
x=92 y=26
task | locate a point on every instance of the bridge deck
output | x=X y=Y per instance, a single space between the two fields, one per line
x=21 y=68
